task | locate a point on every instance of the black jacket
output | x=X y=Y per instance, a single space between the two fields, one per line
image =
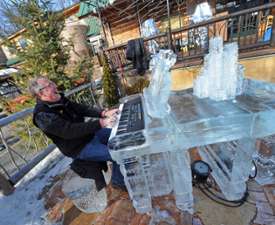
x=136 y=53
x=63 y=122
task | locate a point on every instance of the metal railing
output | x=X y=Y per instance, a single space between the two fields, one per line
x=22 y=144
x=117 y=54
x=251 y=28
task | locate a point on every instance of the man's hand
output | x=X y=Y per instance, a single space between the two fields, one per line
x=108 y=121
x=110 y=113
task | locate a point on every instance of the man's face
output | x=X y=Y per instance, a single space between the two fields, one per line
x=48 y=90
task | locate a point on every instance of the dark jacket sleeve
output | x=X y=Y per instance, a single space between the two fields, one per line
x=85 y=110
x=55 y=125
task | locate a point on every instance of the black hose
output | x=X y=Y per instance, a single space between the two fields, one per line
x=222 y=201
x=256 y=170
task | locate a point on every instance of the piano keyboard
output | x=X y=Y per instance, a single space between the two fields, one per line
x=130 y=122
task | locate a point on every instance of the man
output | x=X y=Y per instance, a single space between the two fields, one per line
x=63 y=122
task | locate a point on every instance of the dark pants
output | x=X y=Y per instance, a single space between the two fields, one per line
x=97 y=150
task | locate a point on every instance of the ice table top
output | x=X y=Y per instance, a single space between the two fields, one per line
x=205 y=121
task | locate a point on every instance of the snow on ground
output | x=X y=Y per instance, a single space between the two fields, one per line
x=23 y=206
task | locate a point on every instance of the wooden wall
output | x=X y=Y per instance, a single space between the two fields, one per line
x=260 y=68
x=122 y=37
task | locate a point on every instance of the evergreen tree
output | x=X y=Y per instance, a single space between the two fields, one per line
x=43 y=53
x=109 y=84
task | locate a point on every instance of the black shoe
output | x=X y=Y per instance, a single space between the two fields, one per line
x=121 y=187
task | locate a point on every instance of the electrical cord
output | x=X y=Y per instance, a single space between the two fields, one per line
x=209 y=189
x=223 y=199
x=220 y=200
x=256 y=170
x=206 y=188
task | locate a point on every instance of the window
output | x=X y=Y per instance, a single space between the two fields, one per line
x=248 y=24
x=23 y=43
x=12 y=49
x=8 y=89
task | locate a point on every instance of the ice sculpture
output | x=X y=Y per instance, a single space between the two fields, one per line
x=155 y=159
x=231 y=163
x=156 y=174
x=221 y=77
x=265 y=161
x=199 y=36
x=157 y=94
x=265 y=170
x=156 y=100
x=161 y=217
x=149 y=29
x=202 y=12
x=84 y=194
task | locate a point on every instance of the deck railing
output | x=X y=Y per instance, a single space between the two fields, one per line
x=21 y=142
x=251 y=28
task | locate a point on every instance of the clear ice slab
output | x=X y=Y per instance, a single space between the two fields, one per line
x=225 y=130
x=204 y=121
x=221 y=76
x=84 y=194
x=231 y=164
x=157 y=94
x=224 y=116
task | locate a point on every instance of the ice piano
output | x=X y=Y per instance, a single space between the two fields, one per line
x=153 y=152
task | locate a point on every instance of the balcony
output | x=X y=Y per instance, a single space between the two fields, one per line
x=251 y=28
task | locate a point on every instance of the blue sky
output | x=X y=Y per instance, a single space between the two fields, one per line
x=58 y=5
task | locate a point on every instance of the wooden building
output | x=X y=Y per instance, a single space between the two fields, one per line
x=250 y=23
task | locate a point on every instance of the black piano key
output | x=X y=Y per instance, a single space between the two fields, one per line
x=131 y=120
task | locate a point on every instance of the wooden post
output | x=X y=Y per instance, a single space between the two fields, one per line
x=111 y=33
x=101 y=21
x=139 y=22
x=169 y=34
x=5 y=185
x=272 y=42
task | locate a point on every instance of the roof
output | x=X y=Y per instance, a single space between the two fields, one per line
x=88 y=7
x=94 y=26
x=124 y=14
x=13 y=61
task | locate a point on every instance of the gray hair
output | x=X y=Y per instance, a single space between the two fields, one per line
x=34 y=87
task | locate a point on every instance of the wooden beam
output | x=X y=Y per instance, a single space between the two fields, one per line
x=273 y=27
x=123 y=20
x=113 y=10
x=145 y=6
x=123 y=28
x=132 y=5
x=160 y=4
x=169 y=25
x=157 y=15
x=139 y=21
x=120 y=2
x=111 y=33
x=110 y=17
x=153 y=11
x=120 y=11
x=145 y=9
x=101 y=22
